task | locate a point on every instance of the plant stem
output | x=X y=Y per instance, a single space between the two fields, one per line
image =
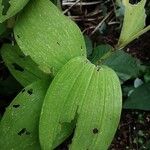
x=121 y=46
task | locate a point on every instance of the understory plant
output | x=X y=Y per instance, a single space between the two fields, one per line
x=64 y=93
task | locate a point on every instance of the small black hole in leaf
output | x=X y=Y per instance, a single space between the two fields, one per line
x=30 y=91
x=98 y=68
x=18 y=36
x=134 y=1
x=95 y=131
x=17 y=67
x=81 y=47
x=24 y=131
x=16 y=106
x=58 y=43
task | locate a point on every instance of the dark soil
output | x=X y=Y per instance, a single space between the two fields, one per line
x=133 y=131
x=140 y=48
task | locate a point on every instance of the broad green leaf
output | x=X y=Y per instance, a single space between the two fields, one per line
x=139 y=99
x=134 y=22
x=104 y=54
x=49 y=37
x=92 y=96
x=124 y=64
x=19 y=125
x=22 y=67
x=9 y=8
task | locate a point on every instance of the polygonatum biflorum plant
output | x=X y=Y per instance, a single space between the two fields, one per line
x=64 y=92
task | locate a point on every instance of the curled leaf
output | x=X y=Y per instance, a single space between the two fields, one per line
x=49 y=37
x=88 y=94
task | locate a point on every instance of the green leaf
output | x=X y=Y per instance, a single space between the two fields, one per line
x=22 y=67
x=89 y=45
x=104 y=54
x=19 y=125
x=49 y=37
x=89 y=94
x=9 y=8
x=55 y=2
x=139 y=99
x=147 y=75
x=124 y=64
x=2 y=28
x=134 y=22
x=99 y=53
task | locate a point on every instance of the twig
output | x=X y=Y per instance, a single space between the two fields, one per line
x=98 y=26
x=94 y=13
x=78 y=18
x=81 y=3
x=113 y=22
x=71 y=6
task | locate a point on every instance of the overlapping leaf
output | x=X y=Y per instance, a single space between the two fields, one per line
x=103 y=54
x=125 y=65
x=19 y=125
x=22 y=67
x=87 y=94
x=49 y=37
x=9 y=8
x=100 y=52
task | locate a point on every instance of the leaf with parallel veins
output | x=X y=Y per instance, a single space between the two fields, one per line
x=92 y=96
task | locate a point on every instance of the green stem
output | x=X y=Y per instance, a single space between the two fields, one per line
x=105 y=56
x=121 y=46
